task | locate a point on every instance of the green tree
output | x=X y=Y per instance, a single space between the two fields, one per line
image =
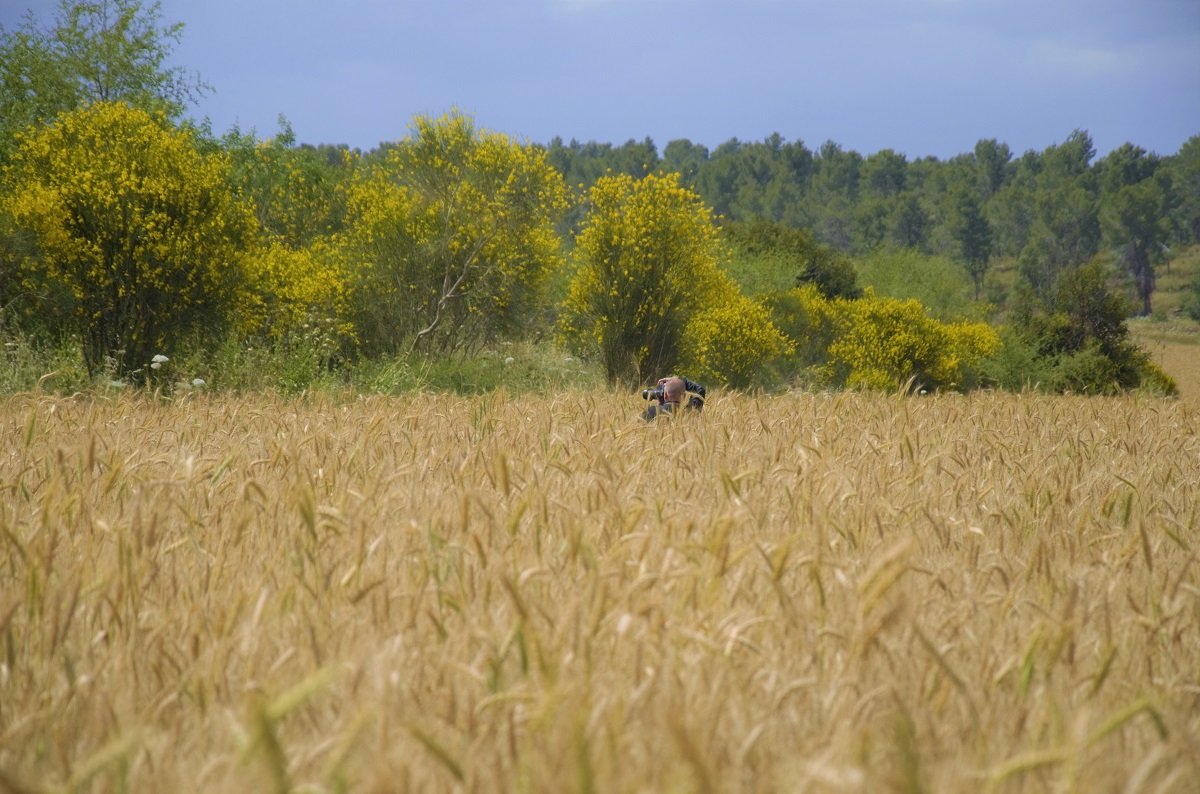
x=937 y=282
x=870 y=223
x=450 y=239
x=747 y=180
x=1125 y=165
x=1093 y=311
x=133 y=224
x=1078 y=338
x=883 y=173
x=98 y=51
x=1070 y=159
x=1191 y=300
x=1133 y=215
x=992 y=160
x=761 y=245
x=684 y=158
x=647 y=260
x=971 y=233
x=835 y=188
x=1065 y=233
x=909 y=223
x=1183 y=170
x=1010 y=210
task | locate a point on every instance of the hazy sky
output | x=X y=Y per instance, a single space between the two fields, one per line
x=923 y=77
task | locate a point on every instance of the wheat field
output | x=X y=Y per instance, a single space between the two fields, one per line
x=806 y=592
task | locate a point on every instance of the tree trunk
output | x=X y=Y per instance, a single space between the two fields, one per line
x=1138 y=263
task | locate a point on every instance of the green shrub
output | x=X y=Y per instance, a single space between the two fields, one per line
x=769 y=257
x=806 y=318
x=937 y=282
x=1021 y=362
x=27 y=364
x=1080 y=339
x=1016 y=364
x=1191 y=302
x=1086 y=371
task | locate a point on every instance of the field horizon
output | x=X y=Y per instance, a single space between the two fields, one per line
x=801 y=592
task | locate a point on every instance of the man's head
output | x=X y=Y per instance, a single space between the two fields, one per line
x=673 y=390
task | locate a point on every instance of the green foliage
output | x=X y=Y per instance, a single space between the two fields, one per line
x=1020 y=364
x=971 y=233
x=1077 y=340
x=758 y=272
x=769 y=256
x=29 y=364
x=809 y=321
x=1016 y=364
x=98 y=51
x=647 y=262
x=1082 y=309
x=585 y=163
x=1134 y=221
x=1065 y=234
x=733 y=343
x=297 y=191
x=292 y=366
x=1183 y=174
x=909 y=223
x=1191 y=301
x=1086 y=371
x=517 y=368
x=128 y=237
x=937 y=282
x=1044 y=207
x=132 y=232
x=450 y=240
x=751 y=180
x=992 y=165
x=884 y=173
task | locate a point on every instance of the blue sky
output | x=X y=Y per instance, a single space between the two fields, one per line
x=922 y=77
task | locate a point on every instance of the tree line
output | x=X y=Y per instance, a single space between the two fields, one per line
x=1050 y=210
x=133 y=232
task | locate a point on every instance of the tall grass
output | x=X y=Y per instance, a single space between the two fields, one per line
x=801 y=592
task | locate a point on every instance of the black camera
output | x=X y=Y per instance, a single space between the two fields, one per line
x=657 y=393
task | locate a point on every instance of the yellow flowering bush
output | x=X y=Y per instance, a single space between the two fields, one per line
x=132 y=224
x=451 y=239
x=973 y=343
x=647 y=262
x=733 y=343
x=884 y=343
x=293 y=291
